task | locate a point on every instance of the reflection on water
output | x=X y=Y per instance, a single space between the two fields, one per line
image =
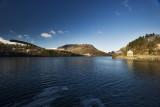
x=144 y=68
x=78 y=81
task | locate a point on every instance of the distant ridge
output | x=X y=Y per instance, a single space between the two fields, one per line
x=21 y=48
x=10 y=42
x=22 y=42
x=83 y=49
x=16 y=48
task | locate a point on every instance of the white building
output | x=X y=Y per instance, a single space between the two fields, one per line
x=130 y=53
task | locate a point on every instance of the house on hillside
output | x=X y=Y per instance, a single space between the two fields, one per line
x=18 y=49
x=28 y=50
x=32 y=50
x=130 y=53
x=87 y=54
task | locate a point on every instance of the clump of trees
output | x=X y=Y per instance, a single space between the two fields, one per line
x=26 y=43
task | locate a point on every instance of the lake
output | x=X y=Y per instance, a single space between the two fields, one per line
x=78 y=82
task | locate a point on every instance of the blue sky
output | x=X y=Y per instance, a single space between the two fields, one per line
x=106 y=24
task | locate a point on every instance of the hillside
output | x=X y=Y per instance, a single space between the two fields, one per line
x=23 y=49
x=83 y=49
x=144 y=45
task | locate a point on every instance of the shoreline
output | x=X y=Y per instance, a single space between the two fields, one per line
x=140 y=57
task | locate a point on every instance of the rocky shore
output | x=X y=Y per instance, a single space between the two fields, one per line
x=140 y=57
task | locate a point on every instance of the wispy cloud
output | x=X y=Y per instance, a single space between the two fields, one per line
x=117 y=13
x=23 y=36
x=52 y=32
x=20 y=36
x=99 y=32
x=27 y=36
x=60 y=31
x=11 y=31
x=126 y=4
x=46 y=35
x=32 y=41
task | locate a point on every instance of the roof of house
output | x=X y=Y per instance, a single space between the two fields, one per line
x=130 y=51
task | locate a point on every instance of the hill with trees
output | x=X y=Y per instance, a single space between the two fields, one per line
x=21 y=48
x=144 y=45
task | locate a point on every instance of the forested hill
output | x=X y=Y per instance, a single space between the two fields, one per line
x=83 y=49
x=144 y=45
x=21 y=48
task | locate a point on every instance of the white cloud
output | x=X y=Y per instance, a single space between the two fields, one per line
x=32 y=41
x=118 y=13
x=46 y=35
x=60 y=31
x=26 y=35
x=126 y=4
x=99 y=32
x=20 y=36
x=52 y=32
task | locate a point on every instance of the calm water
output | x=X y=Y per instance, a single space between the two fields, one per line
x=78 y=82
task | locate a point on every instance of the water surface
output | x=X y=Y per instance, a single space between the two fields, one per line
x=78 y=82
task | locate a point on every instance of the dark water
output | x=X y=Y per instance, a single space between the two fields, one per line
x=78 y=82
